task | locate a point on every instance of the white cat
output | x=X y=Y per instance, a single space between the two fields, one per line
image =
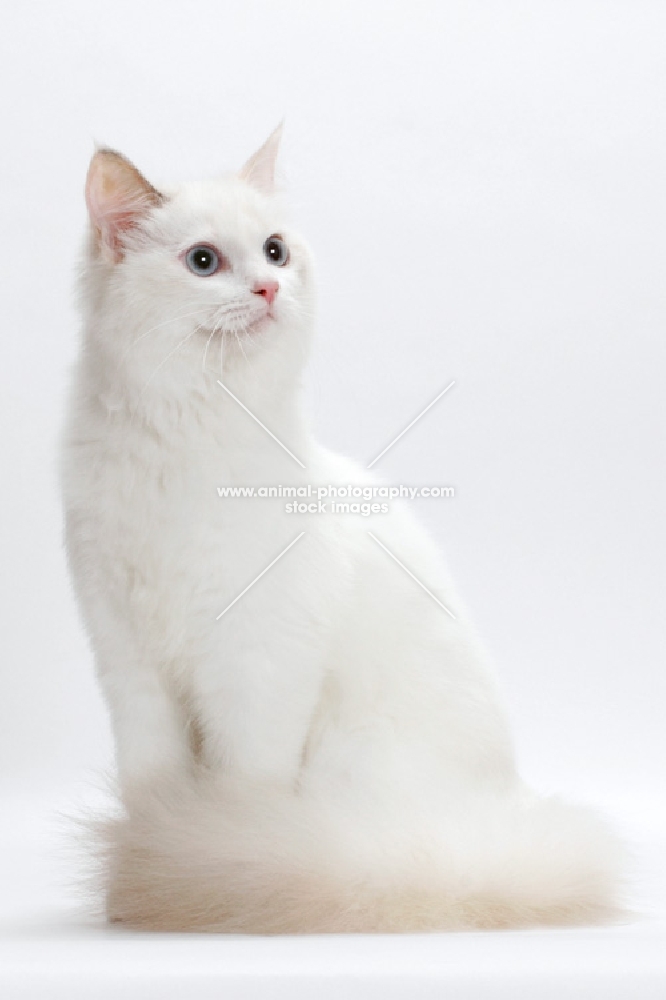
x=328 y=751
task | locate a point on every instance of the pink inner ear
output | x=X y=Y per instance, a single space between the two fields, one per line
x=117 y=195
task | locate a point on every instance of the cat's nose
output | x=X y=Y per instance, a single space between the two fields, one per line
x=268 y=289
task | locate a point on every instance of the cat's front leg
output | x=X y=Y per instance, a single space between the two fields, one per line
x=150 y=727
x=256 y=710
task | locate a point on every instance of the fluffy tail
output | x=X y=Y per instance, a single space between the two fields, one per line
x=214 y=858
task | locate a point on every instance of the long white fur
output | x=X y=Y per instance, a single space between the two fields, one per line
x=331 y=754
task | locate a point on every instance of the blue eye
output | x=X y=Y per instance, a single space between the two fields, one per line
x=276 y=251
x=202 y=260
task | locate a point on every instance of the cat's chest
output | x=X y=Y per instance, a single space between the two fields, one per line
x=194 y=501
x=169 y=531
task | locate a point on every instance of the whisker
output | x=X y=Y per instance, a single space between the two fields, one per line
x=225 y=314
x=222 y=343
x=212 y=334
x=238 y=341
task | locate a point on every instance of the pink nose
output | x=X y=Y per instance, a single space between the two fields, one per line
x=268 y=289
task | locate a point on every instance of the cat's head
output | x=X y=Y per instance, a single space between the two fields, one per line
x=203 y=277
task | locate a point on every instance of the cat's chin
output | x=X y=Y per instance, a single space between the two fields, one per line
x=259 y=324
x=250 y=329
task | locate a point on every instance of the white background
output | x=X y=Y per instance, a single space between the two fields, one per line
x=483 y=186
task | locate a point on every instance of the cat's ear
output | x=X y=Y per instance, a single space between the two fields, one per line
x=117 y=196
x=259 y=171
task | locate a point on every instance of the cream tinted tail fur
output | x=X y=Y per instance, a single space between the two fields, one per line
x=212 y=858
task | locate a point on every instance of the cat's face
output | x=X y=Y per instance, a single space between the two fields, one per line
x=198 y=279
